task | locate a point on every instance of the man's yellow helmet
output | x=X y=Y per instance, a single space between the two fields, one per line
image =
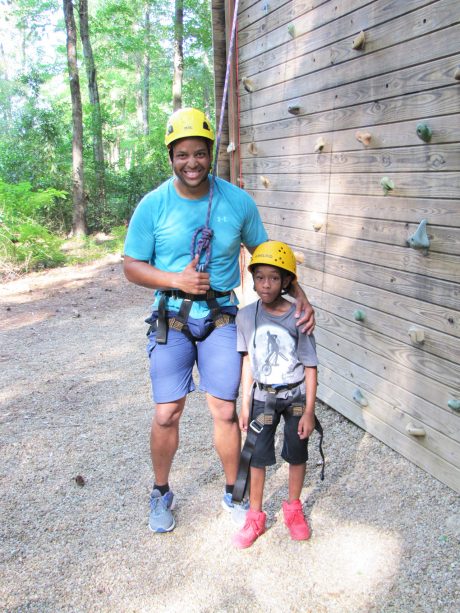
x=274 y=253
x=188 y=122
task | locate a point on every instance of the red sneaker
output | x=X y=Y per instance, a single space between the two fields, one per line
x=295 y=521
x=252 y=529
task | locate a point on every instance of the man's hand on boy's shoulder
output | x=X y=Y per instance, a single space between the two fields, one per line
x=306 y=315
x=304 y=312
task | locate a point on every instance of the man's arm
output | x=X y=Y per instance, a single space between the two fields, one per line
x=304 y=312
x=144 y=274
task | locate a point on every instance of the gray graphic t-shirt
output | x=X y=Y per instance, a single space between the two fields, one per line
x=277 y=350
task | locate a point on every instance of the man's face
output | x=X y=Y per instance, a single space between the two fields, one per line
x=191 y=163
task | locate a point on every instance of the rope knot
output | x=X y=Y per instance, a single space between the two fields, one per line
x=203 y=244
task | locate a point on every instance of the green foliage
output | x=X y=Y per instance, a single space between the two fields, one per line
x=23 y=238
x=36 y=119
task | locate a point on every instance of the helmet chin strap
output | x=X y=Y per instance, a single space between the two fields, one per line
x=203 y=244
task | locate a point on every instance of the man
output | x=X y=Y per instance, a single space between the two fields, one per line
x=194 y=309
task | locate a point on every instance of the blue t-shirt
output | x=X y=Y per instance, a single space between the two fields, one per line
x=162 y=228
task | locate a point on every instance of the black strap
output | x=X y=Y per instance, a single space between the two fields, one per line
x=254 y=429
x=209 y=295
x=162 y=325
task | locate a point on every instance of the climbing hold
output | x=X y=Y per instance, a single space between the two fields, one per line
x=320 y=144
x=387 y=185
x=247 y=84
x=265 y=7
x=231 y=147
x=419 y=240
x=358 y=42
x=317 y=221
x=265 y=181
x=359 y=315
x=299 y=257
x=457 y=73
x=252 y=148
x=291 y=30
x=240 y=182
x=414 y=430
x=416 y=335
x=294 y=109
x=363 y=137
x=454 y=404
x=424 y=132
x=359 y=398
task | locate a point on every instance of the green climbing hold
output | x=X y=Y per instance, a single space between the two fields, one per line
x=424 y=132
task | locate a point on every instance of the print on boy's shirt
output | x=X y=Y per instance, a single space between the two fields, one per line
x=274 y=355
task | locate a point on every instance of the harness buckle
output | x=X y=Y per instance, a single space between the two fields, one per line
x=255 y=426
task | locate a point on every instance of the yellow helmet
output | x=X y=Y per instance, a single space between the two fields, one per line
x=274 y=253
x=188 y=122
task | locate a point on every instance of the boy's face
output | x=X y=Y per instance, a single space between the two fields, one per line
x=268 y=282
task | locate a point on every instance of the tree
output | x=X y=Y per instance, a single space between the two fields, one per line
x=96 y=116
x=178 y=54
x=146 y=79
x=78 y=187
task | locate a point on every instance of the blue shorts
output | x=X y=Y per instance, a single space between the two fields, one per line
x=295 y=449
x=218 y=361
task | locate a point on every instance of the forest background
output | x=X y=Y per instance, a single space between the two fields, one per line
x=86 y=88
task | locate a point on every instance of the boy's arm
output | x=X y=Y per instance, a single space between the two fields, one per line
x=307 y=421
x=246 y=388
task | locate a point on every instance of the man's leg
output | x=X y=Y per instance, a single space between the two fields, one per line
x=164 y=438
x=227 y=437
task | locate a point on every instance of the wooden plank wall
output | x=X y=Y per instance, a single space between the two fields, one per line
x=301 y=80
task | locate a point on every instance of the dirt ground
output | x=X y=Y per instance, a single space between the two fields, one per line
x=75 y=478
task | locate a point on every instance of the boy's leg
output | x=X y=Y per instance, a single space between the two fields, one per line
x=296 y=480
x=256 y=494
x=255 y=519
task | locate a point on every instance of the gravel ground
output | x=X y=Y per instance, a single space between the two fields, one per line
x=75 y=478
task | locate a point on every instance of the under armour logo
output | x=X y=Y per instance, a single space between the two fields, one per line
x=222 y=219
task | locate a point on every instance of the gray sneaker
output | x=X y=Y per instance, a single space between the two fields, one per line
x=237 y=510
x=161 y=519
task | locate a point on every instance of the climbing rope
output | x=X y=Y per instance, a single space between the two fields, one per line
x=203 y=244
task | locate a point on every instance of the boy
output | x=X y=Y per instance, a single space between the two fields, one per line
x=279 y=364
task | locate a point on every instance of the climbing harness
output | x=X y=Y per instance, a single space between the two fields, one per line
x=255 y=428
x=163 y=322
x=200 y=244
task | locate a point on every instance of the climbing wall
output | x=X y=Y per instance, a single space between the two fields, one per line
x=349 y=141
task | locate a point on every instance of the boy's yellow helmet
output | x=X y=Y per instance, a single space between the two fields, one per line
x=188 y=122
x=274 y=253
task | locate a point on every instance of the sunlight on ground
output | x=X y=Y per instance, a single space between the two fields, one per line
x=340 y=569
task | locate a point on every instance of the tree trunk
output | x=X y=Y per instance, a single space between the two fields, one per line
x=78 y=192
x=98 y=148
x=146 y=79
x=178 y=54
